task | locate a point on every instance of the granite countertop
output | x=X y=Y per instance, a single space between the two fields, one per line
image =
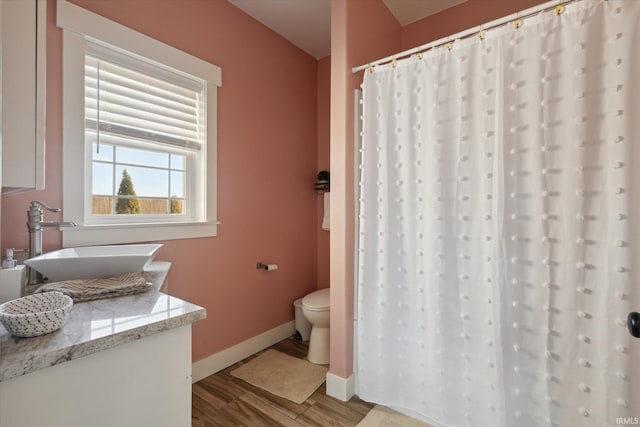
x=99 y=325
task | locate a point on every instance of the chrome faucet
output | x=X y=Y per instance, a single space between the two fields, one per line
x=35 y=224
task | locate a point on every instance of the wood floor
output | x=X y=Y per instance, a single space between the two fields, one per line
x=223 y=400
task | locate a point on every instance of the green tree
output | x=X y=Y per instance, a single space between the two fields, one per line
x=175 y=206
x=126 y=205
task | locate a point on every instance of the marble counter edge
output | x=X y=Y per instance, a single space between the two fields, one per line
x=35 y=361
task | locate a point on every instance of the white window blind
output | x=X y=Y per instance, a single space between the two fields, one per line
x=131 y=98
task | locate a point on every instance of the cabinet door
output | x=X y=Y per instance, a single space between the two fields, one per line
x=143 y=383
x=23 y=94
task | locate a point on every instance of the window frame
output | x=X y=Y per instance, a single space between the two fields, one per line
x=80 y=26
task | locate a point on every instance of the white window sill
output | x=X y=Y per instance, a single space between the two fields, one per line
x=110 y=234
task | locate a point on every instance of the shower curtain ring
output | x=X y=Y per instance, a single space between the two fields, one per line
x=481 y=34
x=518 y=22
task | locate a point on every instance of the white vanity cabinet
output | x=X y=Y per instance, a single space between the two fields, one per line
x=23 y=94
x=116 y=362
x=143 y=383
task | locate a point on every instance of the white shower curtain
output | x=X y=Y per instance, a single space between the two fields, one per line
x=496 y=256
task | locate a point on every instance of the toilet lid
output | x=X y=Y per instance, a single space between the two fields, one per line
x=317 y=301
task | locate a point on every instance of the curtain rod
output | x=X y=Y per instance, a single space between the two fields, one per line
x=556 y=5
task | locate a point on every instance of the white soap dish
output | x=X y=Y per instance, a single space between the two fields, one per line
x=35 y=315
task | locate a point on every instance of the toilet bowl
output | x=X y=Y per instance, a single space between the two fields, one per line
x=315 y=308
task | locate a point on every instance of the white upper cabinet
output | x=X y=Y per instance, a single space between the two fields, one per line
x=23 y=94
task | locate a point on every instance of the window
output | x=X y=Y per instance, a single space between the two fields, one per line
x=144 y=128
x=139 y=128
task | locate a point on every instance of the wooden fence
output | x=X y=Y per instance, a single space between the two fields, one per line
x=103 y=206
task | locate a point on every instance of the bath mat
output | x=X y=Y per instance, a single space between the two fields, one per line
x=381 y=416
x=285 y=376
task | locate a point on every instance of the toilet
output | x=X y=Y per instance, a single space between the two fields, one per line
x=315 y=308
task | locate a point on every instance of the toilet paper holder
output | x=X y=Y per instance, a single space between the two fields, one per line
x=266 y=267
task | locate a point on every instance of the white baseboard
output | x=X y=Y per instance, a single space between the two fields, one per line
x=227 y=357
x=341 y=388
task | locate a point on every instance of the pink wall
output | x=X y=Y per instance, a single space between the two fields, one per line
x=266 y=168
x=324 y=108
x=459 y=18
x=361 y=31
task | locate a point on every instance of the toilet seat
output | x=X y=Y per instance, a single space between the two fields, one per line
x=317 y=301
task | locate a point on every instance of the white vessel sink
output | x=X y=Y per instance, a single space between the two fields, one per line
x=93 y=262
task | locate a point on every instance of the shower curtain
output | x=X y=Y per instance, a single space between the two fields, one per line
x=496 y=220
